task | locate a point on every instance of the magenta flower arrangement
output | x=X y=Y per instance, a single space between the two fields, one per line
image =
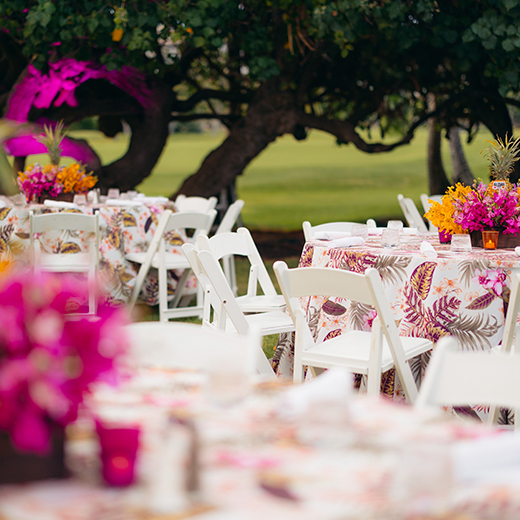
x=48 y=362
x=37 y=180
x=486 y=208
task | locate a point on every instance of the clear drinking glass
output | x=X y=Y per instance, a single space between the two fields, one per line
x=395 y=224
x=80 y=199
x=461 y=243
x=113 y=193
x=390 y=238
x=359 y=230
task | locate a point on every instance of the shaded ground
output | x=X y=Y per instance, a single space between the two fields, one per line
x=275 y=245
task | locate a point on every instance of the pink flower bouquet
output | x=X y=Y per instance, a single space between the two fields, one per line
x=484 y=207
x=48 y=362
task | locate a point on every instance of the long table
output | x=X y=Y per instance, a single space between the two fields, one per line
x=459 y=294
x=123 y=230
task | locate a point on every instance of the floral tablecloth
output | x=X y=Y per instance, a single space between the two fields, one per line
x=459 y=294
x=123 y=230
x=260 y=458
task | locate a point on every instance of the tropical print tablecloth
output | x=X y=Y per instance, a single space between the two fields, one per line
x=123 y=230
x=459 y=294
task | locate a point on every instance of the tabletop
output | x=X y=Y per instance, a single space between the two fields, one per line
x=461 y=294
x=124 y=229
x=261 y=457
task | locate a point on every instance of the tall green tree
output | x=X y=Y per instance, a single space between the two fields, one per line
x=266 y=68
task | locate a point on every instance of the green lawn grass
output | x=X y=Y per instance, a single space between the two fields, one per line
x=293 y=181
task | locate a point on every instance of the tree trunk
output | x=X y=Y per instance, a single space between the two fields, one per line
x=461 y=170
x=271 y=113
x=149 y=135
x=437 y=180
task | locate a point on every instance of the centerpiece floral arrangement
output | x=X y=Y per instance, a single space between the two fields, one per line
x=48 y=362
x=483 y=206
x=53 y=180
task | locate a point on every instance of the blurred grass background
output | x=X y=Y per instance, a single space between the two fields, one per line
x=293 y=181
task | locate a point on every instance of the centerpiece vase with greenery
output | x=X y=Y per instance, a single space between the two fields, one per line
x=54 y=181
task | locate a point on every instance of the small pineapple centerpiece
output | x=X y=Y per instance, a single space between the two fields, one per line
x=502 y=156
x=54 y=181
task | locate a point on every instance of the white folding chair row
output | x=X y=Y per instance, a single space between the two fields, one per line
x=411 y=213
x=369 y=353
x=178 y=345
x=242 y=244
x=158 y=258
x=82 y=262
x=199 y=204
x=151 y=259
x=221 y=309
x=426 y=204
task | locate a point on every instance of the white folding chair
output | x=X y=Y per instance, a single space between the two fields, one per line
x=461 y=378
x=81 y=262
x=361 y=352
x=178 y=345
x=163 y=261
x=411 y=213
x=309 y=231
x=242 y=244
x=198 y=204
x=229 y=317
x=426 y=204
x=226 y=225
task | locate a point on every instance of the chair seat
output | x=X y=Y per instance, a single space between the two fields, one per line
x=261 y=303
x=173 y=260
x=74 y=262
x=274 y=322
x=352 y=350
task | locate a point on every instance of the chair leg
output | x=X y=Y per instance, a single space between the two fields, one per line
x=374 y=364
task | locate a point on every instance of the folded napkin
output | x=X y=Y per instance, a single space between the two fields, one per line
x=428 y=251
x=59 y=204
x=122 y=202
x=347 y=242
x=517 y=251
x=334 y=385
x=330 y=235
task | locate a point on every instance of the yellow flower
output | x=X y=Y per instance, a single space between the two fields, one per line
x=75 y=179
x=440 y=214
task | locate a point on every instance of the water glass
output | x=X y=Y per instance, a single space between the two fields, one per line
x=461 y=243
x=80 y=199
x=395 y=224
x=113 y=193
x=390 y=237
x=359 y=230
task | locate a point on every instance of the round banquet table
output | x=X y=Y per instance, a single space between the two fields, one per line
x=259 y=458
x=459 y=294
x=123 y=230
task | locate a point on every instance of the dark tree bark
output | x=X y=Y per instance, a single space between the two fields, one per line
x=272 y=113
x=437 y=179
x=461 y=170
x=149 y=135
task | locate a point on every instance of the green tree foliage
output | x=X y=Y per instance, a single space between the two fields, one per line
x=269 y=67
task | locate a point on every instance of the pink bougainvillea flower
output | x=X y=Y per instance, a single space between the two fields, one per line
x=48 y=362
